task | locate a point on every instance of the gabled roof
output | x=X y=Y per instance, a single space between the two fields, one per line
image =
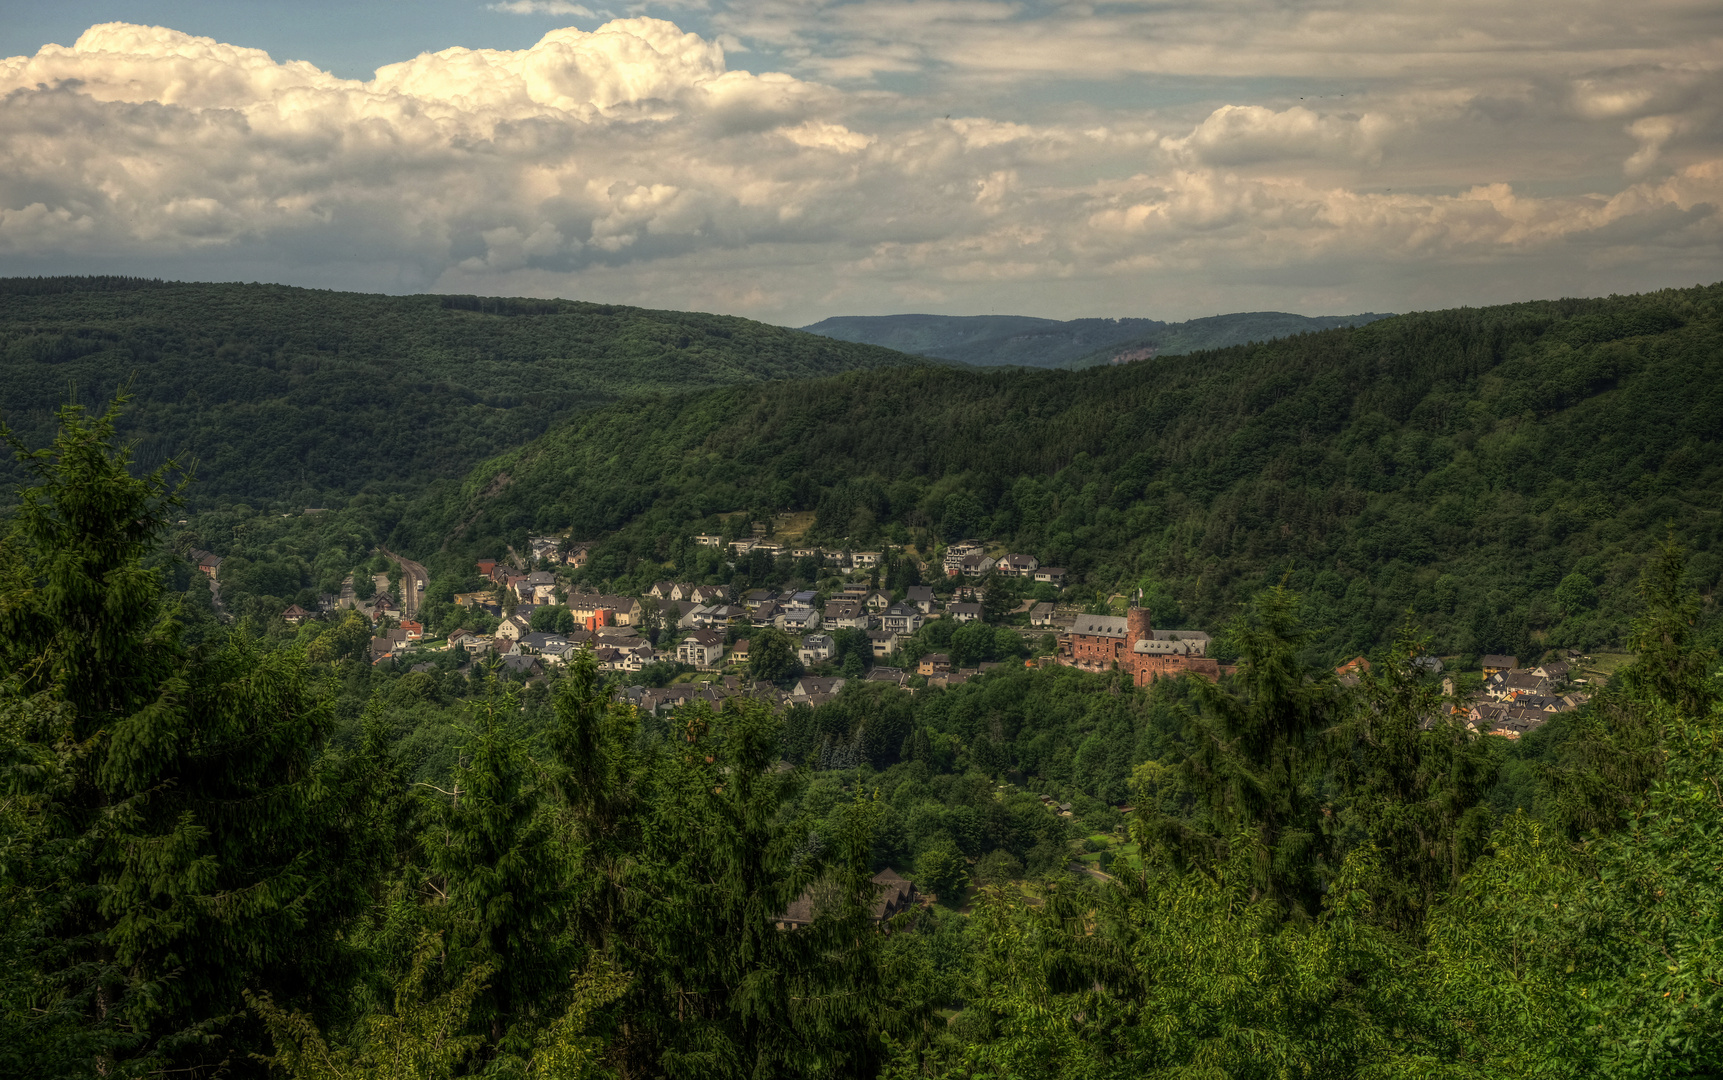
x=817 y=684
x=1156 y=647
x=1101 y=626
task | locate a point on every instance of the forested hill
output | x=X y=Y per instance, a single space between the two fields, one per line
x=998 y=340
x=987 y=340
x=1215 y=332
x=1499 y=471
x=296 y=395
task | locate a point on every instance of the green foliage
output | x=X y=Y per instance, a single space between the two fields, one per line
x=941 y=870
x=772 y=656
x=216 y=839
x=296 y=395
x=1255 y=762
x=176 y=812
x=687 y=862
x=552 y=619
x=1410 y=782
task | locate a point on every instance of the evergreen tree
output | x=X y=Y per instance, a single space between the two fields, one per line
x=1255 y=763
x=1615 y=750
x=170 y=854
x=489 y=848
x=691 y=857
x=1410 y=779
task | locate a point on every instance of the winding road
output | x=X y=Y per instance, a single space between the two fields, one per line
x=414 y=581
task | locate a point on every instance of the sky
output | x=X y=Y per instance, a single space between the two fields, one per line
x=789 y=160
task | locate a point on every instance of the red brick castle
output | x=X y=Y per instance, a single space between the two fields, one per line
x=1131 y=643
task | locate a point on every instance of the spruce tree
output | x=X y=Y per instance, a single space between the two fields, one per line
x=689 y=857
x=1255 y=764
x=170 y=821
x=490 y=852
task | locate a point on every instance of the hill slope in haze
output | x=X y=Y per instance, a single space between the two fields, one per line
x=997 y=340
x=287 y=394
x=1216 y=332
x=1500 y=472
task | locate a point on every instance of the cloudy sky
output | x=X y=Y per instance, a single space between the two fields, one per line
x=793 y=159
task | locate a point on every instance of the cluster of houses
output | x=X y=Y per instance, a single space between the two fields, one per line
x=555 y=549
x=839 y=558
x=969 y=558
x=704 y=626
x=1515 y=700
x=808 y=690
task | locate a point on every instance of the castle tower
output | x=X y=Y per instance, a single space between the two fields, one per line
x=1138 y=625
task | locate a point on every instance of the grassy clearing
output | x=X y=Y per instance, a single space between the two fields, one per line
x=789 y=528
x=1603 y=666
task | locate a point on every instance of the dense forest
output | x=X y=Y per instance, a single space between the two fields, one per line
x=1499 y=473
x=302 y=397
x=246 y=851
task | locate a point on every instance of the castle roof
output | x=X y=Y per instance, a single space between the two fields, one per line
x=1101 y=625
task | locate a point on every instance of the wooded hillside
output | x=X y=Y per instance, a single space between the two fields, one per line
x=1500 y=472
x=303 y=396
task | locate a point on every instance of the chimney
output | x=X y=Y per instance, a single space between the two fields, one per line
x=1138 y=624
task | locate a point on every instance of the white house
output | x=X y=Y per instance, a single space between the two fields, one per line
x=703 y=649
x=816 y=649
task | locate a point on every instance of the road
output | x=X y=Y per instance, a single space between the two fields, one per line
x=414 y=580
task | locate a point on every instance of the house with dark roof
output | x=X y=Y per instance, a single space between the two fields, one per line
x=893 y=896
x=815 y=649
x=1556 y=671
x=901 y=619
x=1512 y=684
x=798 y=618
x=703 y=649
x=208 y=562
x=963 y=612
x=845 y=615
x=817 y=684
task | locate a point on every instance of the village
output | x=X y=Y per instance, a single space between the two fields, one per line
x=705 y=632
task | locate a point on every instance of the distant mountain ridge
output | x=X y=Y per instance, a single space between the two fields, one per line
x=999 y=340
